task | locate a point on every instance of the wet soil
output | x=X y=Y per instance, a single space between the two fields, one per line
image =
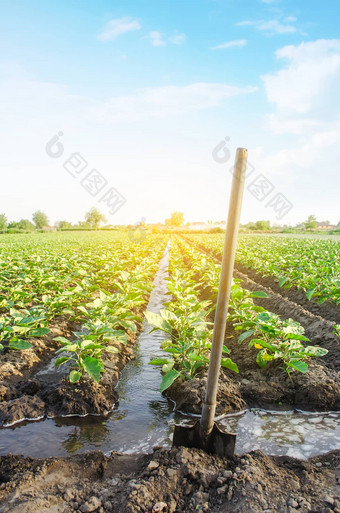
x=176 y=481
x=271 y=388
x=327 y=310
x=27 y=392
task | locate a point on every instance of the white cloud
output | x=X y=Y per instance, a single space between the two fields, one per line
x=238 y=43
x=290 y=19
x=166 y=101
x=270 y=27
x=305 y=91
x=118 y=27
x=157 y=38
x=177 y=39
x=304 y=94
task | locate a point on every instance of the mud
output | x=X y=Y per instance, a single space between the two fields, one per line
x=32 y=388
x=268 y=388
x=271 y=388
x=176 y=481
x=317 y=329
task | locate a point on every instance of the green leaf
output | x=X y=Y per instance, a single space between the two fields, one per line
x=167 y=367
x=112 y=349
x=89 y=342
x=282 y=281
x=67 y=311
x=314 y=351
x=70 y=347
x=172 y=350
x=245 y=335
x=298 y=365
x=20 y=345
x=39 y=332
x=62 y=340
x=168 y=315
x=74 y=376
x=293 y=336
x=61 y=360
x=129 y=325
x=263 y=343
x=1 y=347
x=168 y=379
x=158 y=322
x=158 y=361
x=102 y=295
x=259 y=293
x=261 y=361
x=92 y=367
x=229 y=364
x=309 y=293
x=97 y=303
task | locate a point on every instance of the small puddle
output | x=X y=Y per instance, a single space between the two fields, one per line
x=144 y=418
x=296 y=433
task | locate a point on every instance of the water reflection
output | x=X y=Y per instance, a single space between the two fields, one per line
x=144 y=418
x=298 y=434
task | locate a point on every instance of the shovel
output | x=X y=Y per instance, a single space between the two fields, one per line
x=206 y=434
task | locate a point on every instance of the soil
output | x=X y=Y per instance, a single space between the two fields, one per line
x=180 y=480
x=26 y=393
x=327 y=310
x=317 y=390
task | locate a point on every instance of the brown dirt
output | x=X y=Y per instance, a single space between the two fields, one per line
x=14 y=365
x=176 y=481
x=317 y=390
x=317 y=329
x=26 y=394
x=327 y=310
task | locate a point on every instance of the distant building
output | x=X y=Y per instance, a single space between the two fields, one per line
x=325 y=225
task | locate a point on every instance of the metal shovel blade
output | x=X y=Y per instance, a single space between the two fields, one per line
x=218 y=442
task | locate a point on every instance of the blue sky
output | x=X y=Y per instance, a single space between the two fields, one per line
x=143 y=92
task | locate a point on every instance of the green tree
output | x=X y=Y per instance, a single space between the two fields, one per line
x=25 y=224
x=63 y=225
x=311 y=222
x=176 y=219
x=3 y=222
x=40 y=219
x=94 y=218
x=262 y=225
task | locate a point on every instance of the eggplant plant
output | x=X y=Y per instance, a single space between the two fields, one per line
x=185 y=322
x=278 y=339
x=275 y=339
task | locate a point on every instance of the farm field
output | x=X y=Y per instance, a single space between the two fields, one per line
x=72 y=312
x=305 y=269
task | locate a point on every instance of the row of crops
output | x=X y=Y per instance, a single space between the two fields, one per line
x=309 y=264
x=99 y=283
x=187 y=320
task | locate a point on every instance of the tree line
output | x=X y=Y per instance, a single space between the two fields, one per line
x=40 y=221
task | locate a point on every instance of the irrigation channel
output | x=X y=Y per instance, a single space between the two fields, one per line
x=144 y=418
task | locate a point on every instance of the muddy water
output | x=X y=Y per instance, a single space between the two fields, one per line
x=144 y=418
x=141 y=420
x=296 y=433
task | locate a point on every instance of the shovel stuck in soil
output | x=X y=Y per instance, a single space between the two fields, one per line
x=206 y=434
